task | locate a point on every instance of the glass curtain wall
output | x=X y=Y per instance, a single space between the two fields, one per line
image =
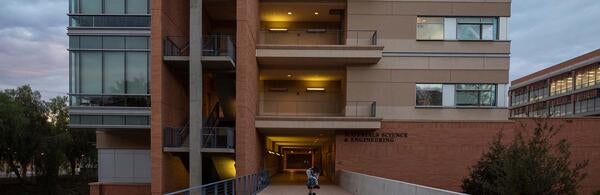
x=109 y=71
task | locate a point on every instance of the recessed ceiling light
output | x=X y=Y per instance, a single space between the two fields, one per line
x=290 y=13
x=317 y=13
x=289 y=75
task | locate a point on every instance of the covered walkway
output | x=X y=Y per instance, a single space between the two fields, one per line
x=294 y=183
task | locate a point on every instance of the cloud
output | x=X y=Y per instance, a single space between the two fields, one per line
x=33 y=45
x=545 y=34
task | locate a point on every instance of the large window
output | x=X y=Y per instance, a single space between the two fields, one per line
x=587 y=77
x=109 y=7
x=519 y=96
x=429 y=94
x=561 y=84
x=110 y=21
x=109 y=71
x=476 y=95
x=472 y=28
x=430 y=28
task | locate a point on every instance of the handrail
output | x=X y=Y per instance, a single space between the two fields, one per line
x=323 y=108
x=244 y=185
x=319 y=37
x=212 y=45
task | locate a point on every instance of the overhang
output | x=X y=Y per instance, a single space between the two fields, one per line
x=216 y=63
x=331 y=55
x=317 y=123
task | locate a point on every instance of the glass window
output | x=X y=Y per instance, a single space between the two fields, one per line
x=114 y=120
x=114 y=6
x=73 y=6
x=430 y=28
x=429 y=94
x=137 y=42
x=77 y=21
x=91 y=119
x=91 y=6
x=73 y=42
x=114 y=72
x=137 y=6
x=137 y=120
x=91 y=72
x=90 y=42
x=477 y=28
x=137 y=72
x=476 y=95
x=113 y=42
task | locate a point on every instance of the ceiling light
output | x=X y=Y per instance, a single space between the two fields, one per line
x=290 y=13
x=316 y=89
x=289 y=76
x=317 y=13
x=278 y=29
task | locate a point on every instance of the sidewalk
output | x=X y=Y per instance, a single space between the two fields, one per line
x=295 y=184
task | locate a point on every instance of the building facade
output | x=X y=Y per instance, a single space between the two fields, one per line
x=186 y=92
x=568 y=89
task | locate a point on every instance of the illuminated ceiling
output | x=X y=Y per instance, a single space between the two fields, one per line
x=300 y=11
x=302 y=74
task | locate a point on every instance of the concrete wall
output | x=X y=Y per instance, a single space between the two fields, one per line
x=295 y=100
x=439 y=154
x=357 y=183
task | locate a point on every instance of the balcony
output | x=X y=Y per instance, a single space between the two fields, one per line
x=319 y=47
x=214 y=139
x=320 y=115
x=218 y=52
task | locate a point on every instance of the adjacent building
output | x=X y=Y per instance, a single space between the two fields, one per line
x=186 y=92
x=568 y=89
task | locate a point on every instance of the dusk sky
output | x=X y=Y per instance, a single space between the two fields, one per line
x=33 y=41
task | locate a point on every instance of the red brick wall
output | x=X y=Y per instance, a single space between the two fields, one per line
x=438 y=154
x=114 y=189
x=249 y=146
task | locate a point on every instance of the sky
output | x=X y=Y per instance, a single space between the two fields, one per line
x=33 y=41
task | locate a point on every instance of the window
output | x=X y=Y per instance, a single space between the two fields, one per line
x=430 y=28
x=561 y=84
x=429 y=94
x=137 y=72
x=137 y=6
x=91 y=6
x=476 y=95
x=477 y=28
x=114 y=72
x=114 y=6
x=109 y=6
x=91 y=72
x=586 y=77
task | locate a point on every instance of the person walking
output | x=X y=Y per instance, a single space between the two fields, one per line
x=313 y=179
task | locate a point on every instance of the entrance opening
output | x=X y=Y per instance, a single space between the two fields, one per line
x=289 y=155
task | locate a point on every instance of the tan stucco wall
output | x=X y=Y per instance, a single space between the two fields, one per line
x=406 y=61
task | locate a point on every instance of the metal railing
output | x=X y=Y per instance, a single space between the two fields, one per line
x=243 y=185
x=317 y=108
x=319 y=37
x=212 y=45
x=361 y=109
x=176 y=137
x=218 y=137
x=118 y=100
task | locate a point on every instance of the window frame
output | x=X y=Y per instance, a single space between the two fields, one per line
x=495 y=25
x=443 y=23
x=432 y=106
x=479 y=91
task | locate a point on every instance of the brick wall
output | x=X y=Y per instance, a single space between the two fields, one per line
x=438 y=154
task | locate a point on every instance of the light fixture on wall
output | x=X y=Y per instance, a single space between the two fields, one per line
x=278 y=29
x=315 y=89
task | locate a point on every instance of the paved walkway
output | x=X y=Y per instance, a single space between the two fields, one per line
x=294 y=183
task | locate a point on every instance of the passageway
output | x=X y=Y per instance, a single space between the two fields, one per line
x=294 y=183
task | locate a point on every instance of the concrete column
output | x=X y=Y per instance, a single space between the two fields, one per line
x=195 y=135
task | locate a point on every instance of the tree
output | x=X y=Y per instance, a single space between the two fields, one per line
x=12 y=120
x=533 y=163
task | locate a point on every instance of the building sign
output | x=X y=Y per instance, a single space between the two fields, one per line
x=369 y=136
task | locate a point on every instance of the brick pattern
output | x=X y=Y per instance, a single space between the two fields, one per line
x=438 y=154
x=556 y=67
